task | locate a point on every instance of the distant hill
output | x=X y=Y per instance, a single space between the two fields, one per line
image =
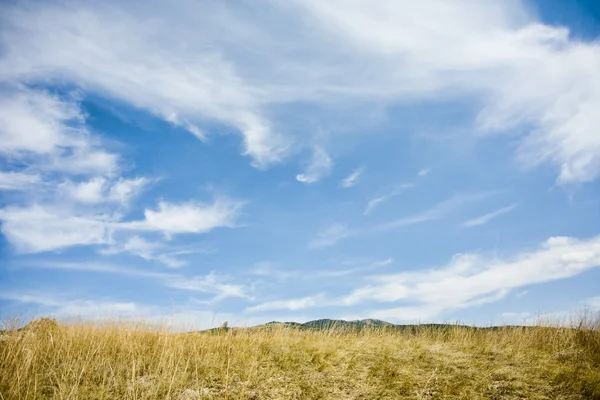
x=355 y=325
x=336 y=323
x=320 y=324
x=339 y=324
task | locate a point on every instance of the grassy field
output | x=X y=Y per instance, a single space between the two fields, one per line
x=127 y=361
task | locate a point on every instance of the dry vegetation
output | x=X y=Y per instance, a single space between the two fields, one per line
x=124 y=361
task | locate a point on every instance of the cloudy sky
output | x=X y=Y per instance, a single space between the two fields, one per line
x=195 y=162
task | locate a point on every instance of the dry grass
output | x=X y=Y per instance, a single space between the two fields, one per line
x=124 y=361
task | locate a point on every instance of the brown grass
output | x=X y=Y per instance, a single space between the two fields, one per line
x=133 y=361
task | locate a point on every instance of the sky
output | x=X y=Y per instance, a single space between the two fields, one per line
x=198 y=162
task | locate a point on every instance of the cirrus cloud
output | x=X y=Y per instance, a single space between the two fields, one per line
x=468 y=280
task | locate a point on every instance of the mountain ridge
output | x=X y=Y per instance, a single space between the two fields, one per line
x=353 y=325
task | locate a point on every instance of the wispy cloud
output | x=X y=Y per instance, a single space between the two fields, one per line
x=438 y=211
x=212 y=283
x=94 y=267
x=395 y=190
x=48 y=132
x=271 y=270
x=292 y=305
x=484 y=219
x=227 y=69
x=214 y=77
x=18 y=180
x=39 y=228
x=584 y=311
x=186 y=317
x=318 y=167
x=70 y=190
x=336 y=232
x=189 y=217
x=591 y=303
x=99 y=189
x=79 y=308
x=56 y=165
x=517 y=92
x=152 y=74
x=332 y=234
x=373 y=203
x=468 y=280
x=424 y=172
x=153 y=251
x=351 y=179
x=364 y=268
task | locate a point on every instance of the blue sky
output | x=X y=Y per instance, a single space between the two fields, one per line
x=253 y=161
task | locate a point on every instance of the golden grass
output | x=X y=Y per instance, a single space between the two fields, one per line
x=133 y=361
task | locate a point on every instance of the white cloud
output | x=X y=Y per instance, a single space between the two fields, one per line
x=18 y=180
x=344 y=272
x=318 y=168
x=438 y=211
x=85 y=160
x=592 y=303
x=373 y=203
x=492 y=48
x=424 y=172
x=292 y=305
x=179 y=318
x=48 y=134
x=517 y=315
x=86 y=192
x=124 y=190
x=154 y=251
x=394 y=191
x=100 y=190
x=94 y=267
x=75 y=194
x=43 y=135
x=583 y=314
x=63 y=171
x=219 y=66
x=331 y=235
x=34 y=121
x=209 y=283
x=338 y=232
x=183 y=82
x=89 y=309
x=48 y=131
x=351 y=179
x=101 y=309
x=468 y=280
x=37 y=228
x=190 y=217
x=148 y=251
x=484 y=219
x=272 y=271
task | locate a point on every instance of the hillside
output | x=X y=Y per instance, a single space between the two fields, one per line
x=340 y=325
x=335 y=324
x=299 y=361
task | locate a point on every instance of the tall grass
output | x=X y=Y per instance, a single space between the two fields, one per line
x=134 y=361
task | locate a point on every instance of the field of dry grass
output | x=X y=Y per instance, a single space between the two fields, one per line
x=126 y=361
